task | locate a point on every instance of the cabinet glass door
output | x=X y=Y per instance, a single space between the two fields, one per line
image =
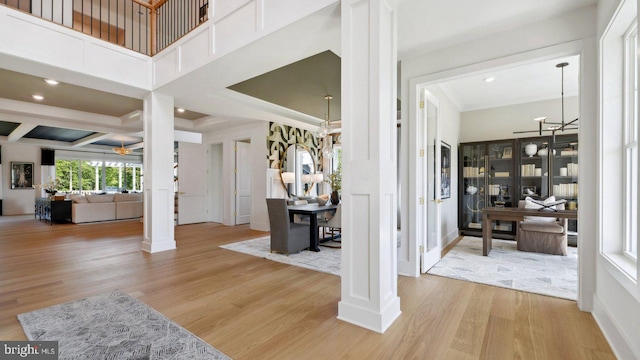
x=473 y=195
x=565 y=169
x=565 y=177
x=500 y=179
x=534 y=168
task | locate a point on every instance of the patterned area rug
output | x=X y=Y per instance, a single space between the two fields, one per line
x=326 y=260
x=114 y=326
x=552 y=275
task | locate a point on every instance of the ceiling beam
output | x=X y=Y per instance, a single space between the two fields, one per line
x=19 y=132
x=90 y=139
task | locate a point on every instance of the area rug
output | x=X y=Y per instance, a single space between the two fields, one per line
x=327 y=260
x=506 y=267
x=113 y=326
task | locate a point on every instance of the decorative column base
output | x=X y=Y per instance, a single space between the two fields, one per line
x=368 y=319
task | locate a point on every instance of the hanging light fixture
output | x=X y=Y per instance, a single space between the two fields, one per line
x=324 y=129
x=122 y=150
x=555 y=126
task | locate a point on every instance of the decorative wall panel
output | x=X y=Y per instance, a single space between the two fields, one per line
x=281 y=136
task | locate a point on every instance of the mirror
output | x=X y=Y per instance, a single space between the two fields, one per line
x=297 y=171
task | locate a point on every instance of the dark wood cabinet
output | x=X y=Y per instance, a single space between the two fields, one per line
x=487 y=176
x=53 y=210
x=500 y=173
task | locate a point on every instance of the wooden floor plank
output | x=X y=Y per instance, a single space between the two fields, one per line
x=251 y=308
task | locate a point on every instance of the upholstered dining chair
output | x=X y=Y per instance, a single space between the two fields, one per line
x=334 y=223
x=286 y=237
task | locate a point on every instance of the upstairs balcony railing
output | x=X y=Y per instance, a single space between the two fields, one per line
x=145 y=27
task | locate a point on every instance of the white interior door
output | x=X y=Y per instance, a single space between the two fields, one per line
x=432 y=242
x=243 y=183
x=192 y=183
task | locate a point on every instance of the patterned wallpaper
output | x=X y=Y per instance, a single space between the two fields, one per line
x=281 y=136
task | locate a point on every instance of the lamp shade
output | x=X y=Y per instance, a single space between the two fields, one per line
x=317 y=178
x=306 y=178
x=288 y=177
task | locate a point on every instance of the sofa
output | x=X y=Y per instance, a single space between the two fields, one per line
x=107 y=207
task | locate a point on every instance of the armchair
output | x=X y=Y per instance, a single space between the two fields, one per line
x=542 y=235
x=286 y=237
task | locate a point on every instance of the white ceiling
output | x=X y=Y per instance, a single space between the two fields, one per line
x=515 y=85
x=423 y=26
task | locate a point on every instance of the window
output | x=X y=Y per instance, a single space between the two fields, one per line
x=618 y=214
x=630 y=247
x=80 y=176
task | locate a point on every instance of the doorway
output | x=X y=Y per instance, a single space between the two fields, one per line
x=243 y=182
x=436 y=80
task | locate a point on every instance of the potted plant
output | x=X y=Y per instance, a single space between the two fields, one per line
x=51 y=186
x=335 y=181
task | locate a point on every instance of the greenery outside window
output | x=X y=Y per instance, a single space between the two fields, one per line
x=80 y=176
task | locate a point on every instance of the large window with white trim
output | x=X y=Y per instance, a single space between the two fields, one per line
x=618 y=147
x=630 y=246
x=97 y=176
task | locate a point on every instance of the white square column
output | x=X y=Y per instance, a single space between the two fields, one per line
x=369 y=251
x=158 y=173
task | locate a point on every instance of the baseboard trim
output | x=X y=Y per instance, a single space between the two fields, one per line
x=617 y=340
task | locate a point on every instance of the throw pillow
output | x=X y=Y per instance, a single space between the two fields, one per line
x=78 y=199
x=531 y=203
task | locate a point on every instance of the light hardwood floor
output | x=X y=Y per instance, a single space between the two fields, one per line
x=252 y=308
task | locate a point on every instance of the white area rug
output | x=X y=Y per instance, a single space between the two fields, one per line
x=506 y=267
x=326 y=260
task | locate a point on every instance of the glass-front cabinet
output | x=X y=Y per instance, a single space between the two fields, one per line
x=549 y=166
x=487 y=173
x=534 y=167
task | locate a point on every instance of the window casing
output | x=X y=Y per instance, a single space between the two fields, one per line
x=630 y=176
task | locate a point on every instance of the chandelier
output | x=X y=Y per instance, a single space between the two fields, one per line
x=122 y=150
x=555 y=126
x=324 y=129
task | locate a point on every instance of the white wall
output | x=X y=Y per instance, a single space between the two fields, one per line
x=257 y=133
x=216 y=184
x=19 y=202
x=500 y=122
x=449 y=133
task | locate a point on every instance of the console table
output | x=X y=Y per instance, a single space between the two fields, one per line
x=514 y=214
x=53 y=210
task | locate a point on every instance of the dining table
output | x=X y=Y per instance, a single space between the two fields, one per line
x=311 y=210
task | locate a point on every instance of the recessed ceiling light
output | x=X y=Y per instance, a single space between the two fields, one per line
x=180 y=110
x=38 y=97
x=489 y=79
x=51 y=81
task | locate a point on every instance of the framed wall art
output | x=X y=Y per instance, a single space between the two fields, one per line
x=445 y=170
x=21 y=175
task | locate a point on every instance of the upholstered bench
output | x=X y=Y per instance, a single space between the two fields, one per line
x=542 y=234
